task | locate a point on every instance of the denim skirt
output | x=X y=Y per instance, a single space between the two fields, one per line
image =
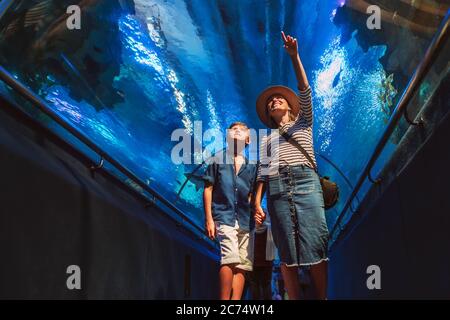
x=296 y=209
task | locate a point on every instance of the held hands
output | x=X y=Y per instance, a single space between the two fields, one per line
x=210 y=229
x=290 y=44
x=260 y=216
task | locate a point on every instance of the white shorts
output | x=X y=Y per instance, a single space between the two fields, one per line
x=236 y=246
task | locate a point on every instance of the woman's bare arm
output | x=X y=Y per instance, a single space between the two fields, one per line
x=291 y=46
x=305 y=98
x=260 y=216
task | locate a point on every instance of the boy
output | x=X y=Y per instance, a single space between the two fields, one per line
x=227 y=203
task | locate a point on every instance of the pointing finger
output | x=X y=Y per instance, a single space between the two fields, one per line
x=283 y=36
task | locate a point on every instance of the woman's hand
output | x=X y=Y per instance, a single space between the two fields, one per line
x=290 y=44
x=260 y=216
x=210 y=229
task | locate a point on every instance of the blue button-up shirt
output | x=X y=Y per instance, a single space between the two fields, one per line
x=231 y=193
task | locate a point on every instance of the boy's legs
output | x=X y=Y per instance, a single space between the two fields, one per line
x=229 y=251
x=238 y=284
x=236 y=258
x=245 y=251
x=226 y=281
x=232 y=281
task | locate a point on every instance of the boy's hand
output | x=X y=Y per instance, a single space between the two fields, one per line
x=260 y=216
x=290 y=44
x=210 y=229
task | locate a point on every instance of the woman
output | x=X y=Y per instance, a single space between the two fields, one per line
x=294 y=194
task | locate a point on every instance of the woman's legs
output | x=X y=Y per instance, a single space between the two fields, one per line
x=319 y=275
x=290 y=277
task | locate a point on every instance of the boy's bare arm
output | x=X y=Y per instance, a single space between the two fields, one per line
x=207 y=201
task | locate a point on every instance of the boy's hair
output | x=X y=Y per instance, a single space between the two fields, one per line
x=238 y=123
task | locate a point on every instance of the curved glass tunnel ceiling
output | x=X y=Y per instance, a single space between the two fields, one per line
x=138 y=70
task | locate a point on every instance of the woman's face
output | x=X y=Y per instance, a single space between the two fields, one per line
x=277 y=104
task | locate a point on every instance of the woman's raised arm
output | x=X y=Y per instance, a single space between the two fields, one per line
x=291 y=46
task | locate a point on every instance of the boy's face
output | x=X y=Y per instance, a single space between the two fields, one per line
x=240 y=133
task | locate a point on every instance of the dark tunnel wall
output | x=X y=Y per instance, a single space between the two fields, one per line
x=406 y=230
x=54 y=214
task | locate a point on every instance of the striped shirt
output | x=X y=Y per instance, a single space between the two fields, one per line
x=284 y=152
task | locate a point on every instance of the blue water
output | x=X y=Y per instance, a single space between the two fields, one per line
x=201 y=60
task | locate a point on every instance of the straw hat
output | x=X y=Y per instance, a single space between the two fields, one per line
x=261 y=103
